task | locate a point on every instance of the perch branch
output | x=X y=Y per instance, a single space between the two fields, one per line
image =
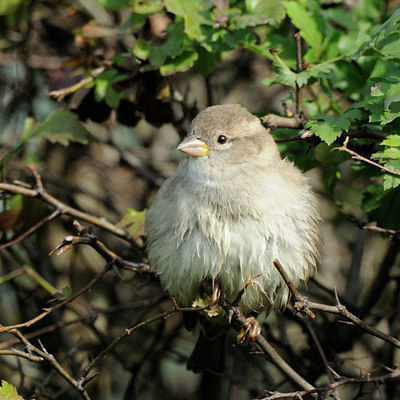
x=268 y=349
x=303 y=304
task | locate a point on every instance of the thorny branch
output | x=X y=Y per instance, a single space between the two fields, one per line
x=303 y=304
x=89 y=238
x=234 y=312
x=113 y=261
x=43 y=354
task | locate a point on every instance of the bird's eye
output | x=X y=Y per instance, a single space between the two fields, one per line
x=222 y=139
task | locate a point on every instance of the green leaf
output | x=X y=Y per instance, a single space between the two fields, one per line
x=9 y=392
x=147 y=6
x=113 y=5
x=179 y=64
x=262 y=12
x=390 y=25
x=384 y=40
x=134 y=221
x=392 y=140
x=194 y=26
x=393 y=95
x=142 y=49
x=285 y=77
x=104 y=89
x=392 y=181
x=183 y=7
x=9 y=6
x=173 y=46
x=206 y=61
x=330 y=127
x=382 y=206
x=62 y=126
x=306 y=23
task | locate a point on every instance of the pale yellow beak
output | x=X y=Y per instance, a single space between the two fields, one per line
x=194 y=147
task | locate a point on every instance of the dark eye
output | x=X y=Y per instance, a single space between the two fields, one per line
x=222 y=139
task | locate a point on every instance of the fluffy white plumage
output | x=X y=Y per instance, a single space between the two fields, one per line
x=227 y=215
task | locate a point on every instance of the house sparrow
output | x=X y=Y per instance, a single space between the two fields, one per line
x=230 y=210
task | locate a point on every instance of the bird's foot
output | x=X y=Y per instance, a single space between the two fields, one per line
x=249 y=332
x=217 y=296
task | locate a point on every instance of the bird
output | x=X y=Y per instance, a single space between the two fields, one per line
x=231 y=208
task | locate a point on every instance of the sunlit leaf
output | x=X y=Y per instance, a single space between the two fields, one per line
x=9 y=392
x=134 y=221
x=330 y=127
x=305 y=22
x=147 y=6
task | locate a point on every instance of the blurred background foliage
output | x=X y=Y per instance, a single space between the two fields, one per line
x=97 y=94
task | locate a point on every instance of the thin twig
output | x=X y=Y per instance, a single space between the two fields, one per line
x=68 y=300
x=61 y=93
x=268 y=349
x=359 y=157
x=372 y=227
x=123 y=336
x=299 y=68
x=331 y=374
x=342 y=310
x=394 y=374
x=303 y=304
x=89 y=316
x=23 y=354
x=29 y=231
x=40 y=193
x=53 y=362
x=89 y=238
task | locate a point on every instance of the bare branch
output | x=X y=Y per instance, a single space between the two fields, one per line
x=53 y=362
x=394 y=374
x=92 y=240
x=23 y=354
x=68 y=300
x=268 y=349
x=40 y=193
x=359 y=157
x=275 y=121
x=29 y=231
x=61 y=93
x=303 y=304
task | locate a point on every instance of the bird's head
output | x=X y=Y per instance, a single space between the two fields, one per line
x=227 y=133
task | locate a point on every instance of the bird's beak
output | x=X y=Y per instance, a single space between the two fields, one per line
x=193 y=146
